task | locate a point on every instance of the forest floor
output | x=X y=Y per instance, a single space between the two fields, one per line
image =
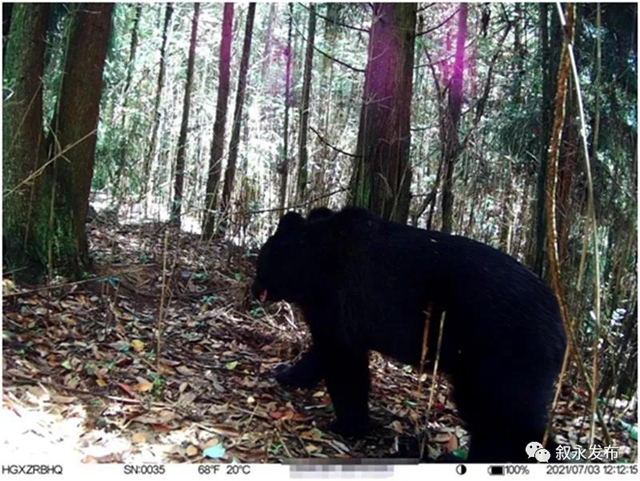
x=82 y=381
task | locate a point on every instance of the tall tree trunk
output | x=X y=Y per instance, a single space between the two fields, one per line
x=598 y=67
x=132 y=52
x=22 y=145
x=327 y=108
x=230 y=172
x=153 y=145
x=176 y=207
x=121 y=157
x=568 y=157
x=507 y=210
x=66 y=185
x=382 y=175
x=303 y=154
x=564 y=69
x=219 y=126
x=450 y=144
x=331 y=31
x=283 y=168
x=518 y=60
x=267 y=80
x=538 y=250
x=266 y=55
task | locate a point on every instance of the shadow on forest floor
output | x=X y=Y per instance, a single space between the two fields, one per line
x=82 y=382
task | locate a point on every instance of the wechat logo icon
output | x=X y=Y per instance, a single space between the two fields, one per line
x=535 y=450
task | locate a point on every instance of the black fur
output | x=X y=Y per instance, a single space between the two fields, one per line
x=365 y=284
x=304 y=373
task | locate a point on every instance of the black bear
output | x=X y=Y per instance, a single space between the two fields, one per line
x=366 y=284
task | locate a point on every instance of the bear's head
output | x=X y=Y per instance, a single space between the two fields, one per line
x=287 y=263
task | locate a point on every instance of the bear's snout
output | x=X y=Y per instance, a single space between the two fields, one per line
x=258 y=291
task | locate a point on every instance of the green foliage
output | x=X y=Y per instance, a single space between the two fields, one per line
x=90 y=369
x=518 y=131
x=275 y=449
x=463 y=454
x=158 y=384
x=208 y=299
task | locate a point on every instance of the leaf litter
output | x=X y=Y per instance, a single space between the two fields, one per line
x=82 y=381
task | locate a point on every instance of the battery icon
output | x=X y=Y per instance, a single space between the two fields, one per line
x=496 y=470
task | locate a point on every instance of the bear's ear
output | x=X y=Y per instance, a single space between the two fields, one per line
x=291 y=222
x=320 y=213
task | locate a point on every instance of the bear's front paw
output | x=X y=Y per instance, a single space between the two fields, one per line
x=352 y=427
x=296 y=375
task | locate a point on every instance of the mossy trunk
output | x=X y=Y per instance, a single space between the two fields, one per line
x=69 y=180
x=22 y=145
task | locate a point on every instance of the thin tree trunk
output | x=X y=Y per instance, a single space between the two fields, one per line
x=596 y=89
x=266 y=55
x=567 y=162
x=230 y=172
x=450 y=147
x=518 y=61
x=507 y=212
x=153 y=145
x=537 y=262
x=327 y=106
x=303 y=154
x=219 y=126
x=176 y=208
x=284 y=164
x=122 y=149
x=331 y=31
x=550 y=199
x=132 y=52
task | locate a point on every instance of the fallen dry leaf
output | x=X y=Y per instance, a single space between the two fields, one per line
x=143 y=386
x=138 y=437
x=212 y=442
x=128 y=389
x=219 y=350
x=397 y=426
x=192 y=451
x=63 y=399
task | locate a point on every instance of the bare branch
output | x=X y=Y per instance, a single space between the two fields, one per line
x=340 y=62
x=336 y=22
x=431 y=29
x=325 y=142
